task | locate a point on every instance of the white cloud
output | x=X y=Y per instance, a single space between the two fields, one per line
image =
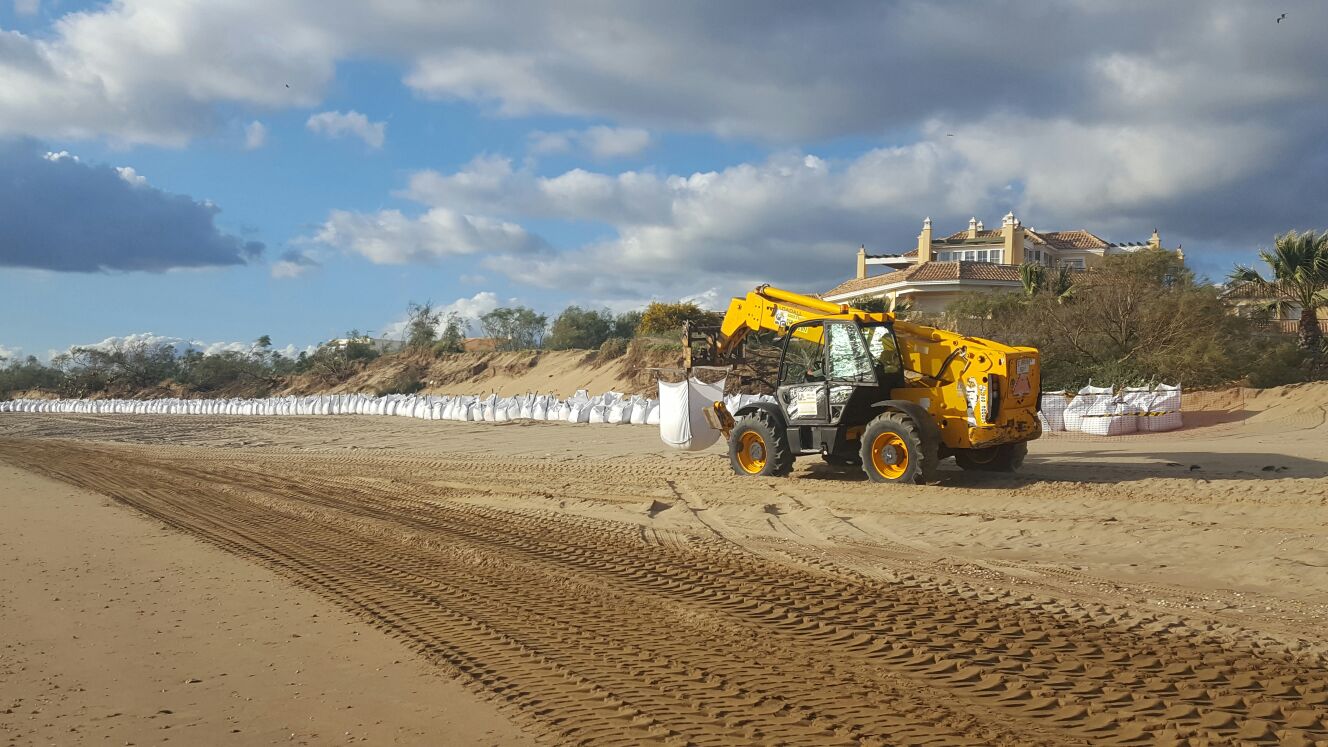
x=162 y=71
x=795 y=218
x=154 y=341
x=131 y=177
x=10 y=354
x=599 y=141
x=615 y=142
x=26 y=7
x=352 y=123
x=390 y=237
x=255 y=135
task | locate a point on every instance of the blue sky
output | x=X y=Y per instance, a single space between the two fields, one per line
x=607 y=154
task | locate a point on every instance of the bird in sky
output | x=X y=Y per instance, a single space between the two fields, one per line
x=1279 y=18
x=288 y=85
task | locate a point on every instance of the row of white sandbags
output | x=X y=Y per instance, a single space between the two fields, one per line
x=1100 y=411
x=609 y=408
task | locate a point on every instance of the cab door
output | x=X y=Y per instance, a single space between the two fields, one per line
x=851 y=373
x=802 y=388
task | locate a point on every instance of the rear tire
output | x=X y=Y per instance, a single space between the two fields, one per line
x=1003 y=458
x=894 y=450
x=759 y=447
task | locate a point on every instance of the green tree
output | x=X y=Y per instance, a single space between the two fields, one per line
x=1299 y=264
x=581 y=329
x=452 y=339
x=21 y=376
x=1033 y=276
x=422 y=321
x=626 y=324
x=515 y=328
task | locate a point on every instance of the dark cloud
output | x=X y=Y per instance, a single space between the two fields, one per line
x=66 y=215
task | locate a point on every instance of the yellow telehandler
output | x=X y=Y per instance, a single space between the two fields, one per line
x=862 y=387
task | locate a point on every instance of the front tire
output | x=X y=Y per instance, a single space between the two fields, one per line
x=1003 y=458
x=894 y=450
x=759 y=447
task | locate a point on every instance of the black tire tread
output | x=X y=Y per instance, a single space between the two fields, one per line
x=927 y=453
x=780 y=453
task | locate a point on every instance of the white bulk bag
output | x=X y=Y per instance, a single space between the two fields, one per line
x=639 y=410
x=599 y=413
x=682 y=423
x=1137 y=401
x=1053 y=409
x=620 y=412
x=1107 y=415
x=1089 y=397
x=579 y=411
x=1164 y=410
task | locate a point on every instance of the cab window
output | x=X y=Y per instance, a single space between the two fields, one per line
x=847 y=354
x=883 y=348
x=804 y=356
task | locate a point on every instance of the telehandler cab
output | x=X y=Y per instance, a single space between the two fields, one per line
x=861 y=387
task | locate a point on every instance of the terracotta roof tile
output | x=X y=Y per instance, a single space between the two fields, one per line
x=857 y=284
x=1073 y=240
x=930 y=272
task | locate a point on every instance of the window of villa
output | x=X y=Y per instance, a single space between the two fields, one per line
x=970 y=255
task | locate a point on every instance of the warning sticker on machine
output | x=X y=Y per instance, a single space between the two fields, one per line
x=807 y=403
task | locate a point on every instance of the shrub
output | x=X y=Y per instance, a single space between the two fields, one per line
x=667 y=318
x=614 y=347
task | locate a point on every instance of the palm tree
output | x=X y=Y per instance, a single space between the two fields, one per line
x=1061 y=284
x=1299 y=262
x=1033 y=276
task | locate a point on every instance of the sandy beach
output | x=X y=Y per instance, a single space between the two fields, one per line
x=584 y=584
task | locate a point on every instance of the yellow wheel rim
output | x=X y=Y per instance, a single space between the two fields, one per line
x=889 y=455
x=751 y=453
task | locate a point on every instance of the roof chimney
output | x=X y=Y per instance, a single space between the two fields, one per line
x=1155 y=240
x=924 y=242
x=980 y=225
x=972 y=228
x=862 y=261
